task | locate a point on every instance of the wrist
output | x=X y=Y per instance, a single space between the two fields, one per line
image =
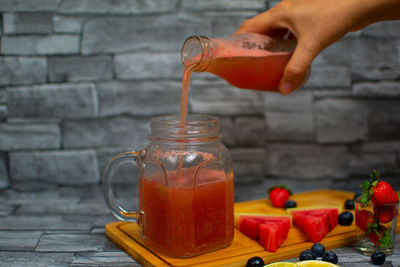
x=372 y=11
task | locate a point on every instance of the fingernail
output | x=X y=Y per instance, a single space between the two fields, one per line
x=285 y=88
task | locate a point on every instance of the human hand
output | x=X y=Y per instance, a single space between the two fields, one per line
x=314 y=23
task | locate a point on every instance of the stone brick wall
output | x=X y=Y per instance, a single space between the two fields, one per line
x=80 y=79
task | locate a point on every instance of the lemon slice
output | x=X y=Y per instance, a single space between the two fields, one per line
x=281 y=264
x=315 y=263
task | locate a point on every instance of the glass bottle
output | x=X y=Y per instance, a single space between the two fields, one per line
x=248 y=61
x=186 y=190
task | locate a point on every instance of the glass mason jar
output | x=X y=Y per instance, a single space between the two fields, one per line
x=248 y=61
x=373 y=231
x=186 y=191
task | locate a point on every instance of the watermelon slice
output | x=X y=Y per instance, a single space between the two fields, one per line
x=272 y=235
x=270 y=230
x=315 y=222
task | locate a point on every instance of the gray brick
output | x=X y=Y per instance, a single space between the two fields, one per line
x=389 y=72
x=225 y=108
x=360 y=51
x=62 y=207
x=341 y=120
x=6 y=210
x=43 y=223
x=53 y=101
x=3 y=113
x=115 y=258
x=53 y=192
x=348 y=120
x=249 y=131
x=4 y=182
x=3 y=96
x=16 y=240
x=139 y=97
x=223 y=5
x=303 y=161
x=226 y=128
x=32 y=186
x=379 y=89
x=329 y=76
x=105 y=132
x=384 y=120
x=374 y=147
x=70 y=243
x=298 y=101
x=219 y=98
x=22 y=70
x=118 y=7
x=75 y=68
x=59 y=167
x=68 y=24
x=18 y=259
x=148 y=66
x=40 y=45
x=28 y=23
x=335 y=93
x=366 y=163
x=161 y=33
x=226 y=24
x=248 y=164
x=386 y=29
x=28 y=5
x=20 y=136
x=289 y=126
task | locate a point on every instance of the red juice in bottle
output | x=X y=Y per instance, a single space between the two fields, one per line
x=248 y=61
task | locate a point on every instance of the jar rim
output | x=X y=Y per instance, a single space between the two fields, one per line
x=198 y=127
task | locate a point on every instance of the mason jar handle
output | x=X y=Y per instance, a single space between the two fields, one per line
x=108 y=185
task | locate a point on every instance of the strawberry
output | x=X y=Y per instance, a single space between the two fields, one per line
x=379 y=191
x=383 y=193
x=385 y=214
x=364 y=219
x=278 y=195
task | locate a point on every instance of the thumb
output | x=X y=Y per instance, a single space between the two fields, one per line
x=297 y=68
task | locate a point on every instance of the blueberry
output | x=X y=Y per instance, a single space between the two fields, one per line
x=318 y=249
x=378 y=258
x=349 y=204
x=330 y=256
x=356 y=195
x=346 y=218
x=255 y=262
x=290 y=204
x=307 y=255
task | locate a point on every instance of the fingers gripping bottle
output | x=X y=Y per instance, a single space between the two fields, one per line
x=248 y=61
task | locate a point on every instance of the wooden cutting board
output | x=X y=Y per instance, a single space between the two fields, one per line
x=126 y=235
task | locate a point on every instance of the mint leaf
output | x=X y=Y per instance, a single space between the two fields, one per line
x=386 y=240
x=365 y=185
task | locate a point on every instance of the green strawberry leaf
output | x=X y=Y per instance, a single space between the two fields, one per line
x=386 y=240
x=367 y=187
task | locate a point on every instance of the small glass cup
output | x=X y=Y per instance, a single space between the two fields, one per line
x=375 y=227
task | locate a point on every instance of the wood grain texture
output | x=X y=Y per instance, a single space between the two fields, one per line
x=126 y=235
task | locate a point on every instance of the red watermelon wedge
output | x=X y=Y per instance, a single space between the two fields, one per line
x=270 y=230
x=315 y=222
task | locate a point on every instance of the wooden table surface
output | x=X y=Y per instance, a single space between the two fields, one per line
x=64 y=226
